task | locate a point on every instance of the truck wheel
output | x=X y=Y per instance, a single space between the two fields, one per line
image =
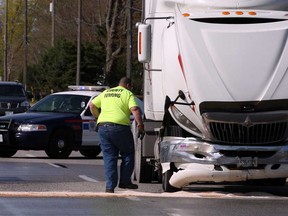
x=7 y=153
x=60 y=145
x=91 y=153
x=165 y=182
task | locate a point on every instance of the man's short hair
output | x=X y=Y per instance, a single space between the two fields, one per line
x=125 y=81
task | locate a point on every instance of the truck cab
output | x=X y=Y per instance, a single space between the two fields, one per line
x=215 y=77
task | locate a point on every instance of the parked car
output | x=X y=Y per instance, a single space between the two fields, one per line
x=59 y=124
x=13 y=98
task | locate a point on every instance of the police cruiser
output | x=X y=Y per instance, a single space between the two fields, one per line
x=58 y=124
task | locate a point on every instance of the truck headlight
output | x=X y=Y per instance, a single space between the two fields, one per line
x=32 y=127
x=181 y=118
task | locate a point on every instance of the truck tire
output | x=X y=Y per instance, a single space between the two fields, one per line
x=91 y=153
x=60 y=144
x=165 y=182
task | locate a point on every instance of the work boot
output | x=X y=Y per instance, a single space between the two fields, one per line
x=128 y=186
x=108 y=190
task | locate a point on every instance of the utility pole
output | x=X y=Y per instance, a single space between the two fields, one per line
x=129 y=38
x=5 y=78
x=25 y=45
x=52 y=10
x=79 y=42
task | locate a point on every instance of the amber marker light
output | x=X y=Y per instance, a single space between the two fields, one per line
x=239 y=13
x=140 y=43
x=226 y=13
x=186 y=14
x=252 y=13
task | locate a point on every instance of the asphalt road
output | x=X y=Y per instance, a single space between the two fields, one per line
x=141 y=206
x=32 y=184
x=33 y=172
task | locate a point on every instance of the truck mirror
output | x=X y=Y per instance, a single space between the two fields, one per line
x=144 y=43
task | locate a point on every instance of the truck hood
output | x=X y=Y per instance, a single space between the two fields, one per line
x=236 y=4
x=235 y=62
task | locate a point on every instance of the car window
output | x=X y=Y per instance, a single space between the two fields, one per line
x=12 y=91
x=62 y=103
x=88 y=112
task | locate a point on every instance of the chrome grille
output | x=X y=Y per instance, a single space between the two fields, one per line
x=260 y=133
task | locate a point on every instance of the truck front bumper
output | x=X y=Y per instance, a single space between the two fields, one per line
x=198 y=161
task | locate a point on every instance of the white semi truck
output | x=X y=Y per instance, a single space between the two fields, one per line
x=215 y=92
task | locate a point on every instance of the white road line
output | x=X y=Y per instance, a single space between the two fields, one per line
x=134 y=198
x=54 y=165
x=86 y=178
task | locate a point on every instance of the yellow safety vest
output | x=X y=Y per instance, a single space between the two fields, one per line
x=115 y=104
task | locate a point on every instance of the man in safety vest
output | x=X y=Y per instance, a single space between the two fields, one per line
x=116 y=105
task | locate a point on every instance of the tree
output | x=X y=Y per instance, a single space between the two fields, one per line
x=15 y=31
x=57 y=68
x=103 y=28
x=115 y=32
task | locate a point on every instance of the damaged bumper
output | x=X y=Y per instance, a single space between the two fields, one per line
x=198 y=161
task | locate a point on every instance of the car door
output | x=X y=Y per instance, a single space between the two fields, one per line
x=90 y=136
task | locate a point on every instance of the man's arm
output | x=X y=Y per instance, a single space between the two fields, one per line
x=138 y=118
x=94 y=110
x=137 y=115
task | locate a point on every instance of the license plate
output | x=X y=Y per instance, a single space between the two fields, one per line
x=247 y=162
x=8 y=112
x=1 y=138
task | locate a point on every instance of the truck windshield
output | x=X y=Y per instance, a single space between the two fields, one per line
x=12 y=91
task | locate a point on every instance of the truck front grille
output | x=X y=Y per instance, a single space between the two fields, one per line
x=239 y=133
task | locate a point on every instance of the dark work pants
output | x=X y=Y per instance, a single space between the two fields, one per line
x=117 y=139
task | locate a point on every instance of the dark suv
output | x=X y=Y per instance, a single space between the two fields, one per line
x=13 y=98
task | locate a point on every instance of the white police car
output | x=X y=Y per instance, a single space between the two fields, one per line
x=58 y=124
